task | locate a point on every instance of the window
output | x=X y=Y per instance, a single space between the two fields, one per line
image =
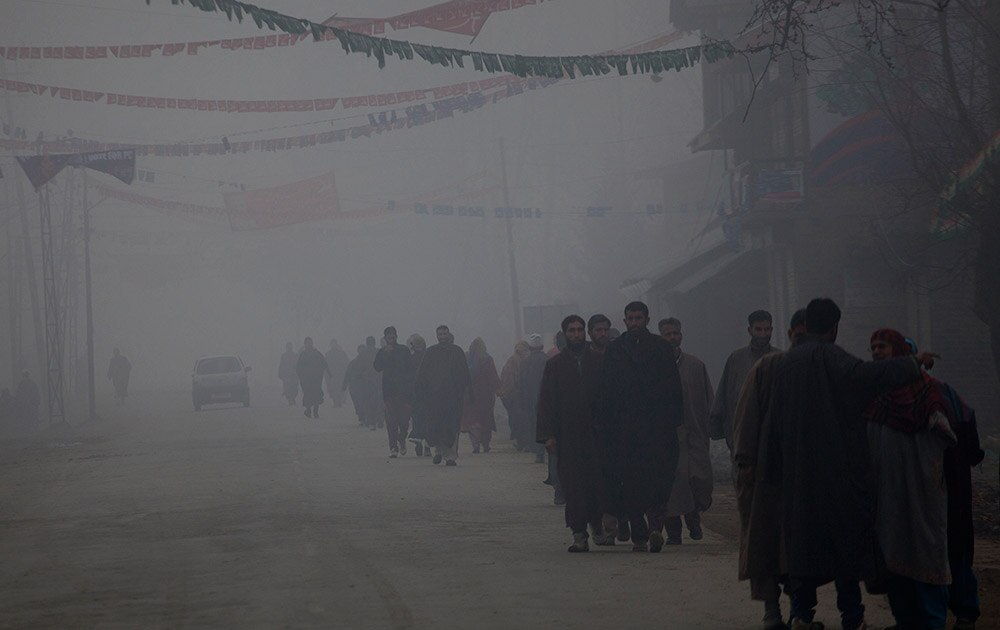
x=219 y=365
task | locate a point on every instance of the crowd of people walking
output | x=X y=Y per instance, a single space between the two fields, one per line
x=845 y=471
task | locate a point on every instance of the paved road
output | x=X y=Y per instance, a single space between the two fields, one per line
x=261 y=518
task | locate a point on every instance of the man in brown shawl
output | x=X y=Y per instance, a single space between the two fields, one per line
x=692 y=492
x=565 y=426
x=758 y=502
x=735 y=372
x=439 y=391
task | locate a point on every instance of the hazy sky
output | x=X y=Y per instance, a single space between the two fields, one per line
x=198 y=288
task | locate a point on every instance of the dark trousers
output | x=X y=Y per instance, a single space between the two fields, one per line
x=963 y=594
x=673 y=523
x=916 y=605
x=397 y=421
x=803 y=593
x=640 y=527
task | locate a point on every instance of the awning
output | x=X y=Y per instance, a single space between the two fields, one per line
x=681 y=276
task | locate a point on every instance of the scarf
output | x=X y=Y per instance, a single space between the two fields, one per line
x=909 y=407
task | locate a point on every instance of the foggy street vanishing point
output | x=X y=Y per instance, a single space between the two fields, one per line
x=500 y=314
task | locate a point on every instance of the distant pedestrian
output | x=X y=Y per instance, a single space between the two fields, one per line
x=336 y=361
x=358 y=382
x=439 y=392
x=393 y=363
x=311 y=368
x=478 y=417
x=508 y=393
x=119 y=370
x=529 y=384
x=375 y=390
x=735 y=373
x=692 y=491
x=637 y=412
x=418 y=432
x=287 y=374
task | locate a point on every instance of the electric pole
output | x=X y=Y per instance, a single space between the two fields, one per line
x=515 y=296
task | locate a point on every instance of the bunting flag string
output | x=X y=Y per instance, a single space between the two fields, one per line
x=287 y=105
x=251 y=106
x=380 y=123
x=521 y=65
x=462 y=17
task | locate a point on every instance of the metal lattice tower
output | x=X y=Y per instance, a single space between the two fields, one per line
x=53 y=317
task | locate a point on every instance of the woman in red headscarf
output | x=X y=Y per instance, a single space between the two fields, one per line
x=908 y=433
x=481 y=397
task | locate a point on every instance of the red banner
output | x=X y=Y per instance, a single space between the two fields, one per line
x=309 y=200
x=464 y=17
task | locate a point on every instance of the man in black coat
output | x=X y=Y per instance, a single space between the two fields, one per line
x=821 y=462
x=566 y=427
x=637 y=412
x=393 y=361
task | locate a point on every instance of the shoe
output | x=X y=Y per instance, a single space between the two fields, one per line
x=695 y=532
x=770 y=622
x=437 y=459
x=798 y=624
x=579 y=543
x=624 y=530
x=604 y=540
x=372 y=428
x=655 y=542
x=673 y=540
x=451 y=462
x=486 y=449
x=558 y=497
x=402 y=447
x=418 y=448
x=307 y=413
x=393 y=454
x=640 y=547
x=611 y=532
x=964 y=624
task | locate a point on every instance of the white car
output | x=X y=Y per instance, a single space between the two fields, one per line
x=219 y=379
